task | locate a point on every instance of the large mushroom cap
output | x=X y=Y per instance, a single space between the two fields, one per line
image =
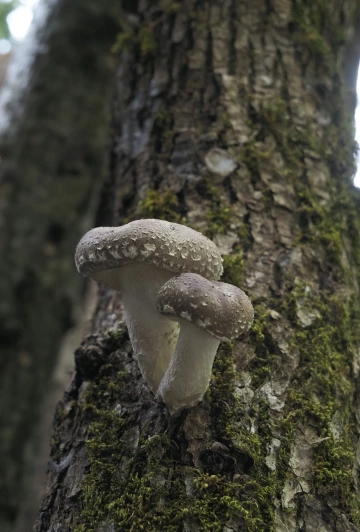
x=221 y=309
x=163 y=244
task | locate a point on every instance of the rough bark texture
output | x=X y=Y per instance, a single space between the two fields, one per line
x=53 y=153
x=274 y=444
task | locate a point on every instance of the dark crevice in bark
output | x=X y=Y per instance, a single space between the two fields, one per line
x=233 y=28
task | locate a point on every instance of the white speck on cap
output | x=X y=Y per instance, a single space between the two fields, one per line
x=221 y=309
x=163 y=244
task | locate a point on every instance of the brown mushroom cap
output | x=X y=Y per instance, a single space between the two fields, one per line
x=221 y=309
x=166 y=245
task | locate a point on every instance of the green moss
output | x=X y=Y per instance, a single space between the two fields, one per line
x=323 y=387
x=267 y=358
x=147 y=41
x=221 y=388
x=320 y=31
x=250 y=157
x=233 y=427
x=276 y=119
x=333 y=472
x=138 y=487
x=141 y=40
x=164 y=129
x=117 y=337
x=218 y=214
x=327 y=472
x=233 y=269
x=220 y=499
x=342 y=147
x=124 y=40
x=162 y=205
x=163 y=117
x=325 y=223
x=226 y=122
x=310 y=19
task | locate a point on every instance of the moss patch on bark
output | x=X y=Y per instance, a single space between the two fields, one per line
x=162 y=205
x=139 y=481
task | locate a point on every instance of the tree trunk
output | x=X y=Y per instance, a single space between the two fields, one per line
x=231 y=118
x=54 y=124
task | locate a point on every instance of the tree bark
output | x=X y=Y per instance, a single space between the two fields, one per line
x=256 y=87
x=54 y=124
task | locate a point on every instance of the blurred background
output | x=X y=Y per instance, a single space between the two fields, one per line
x=39 y=228
x=15 y=20
x=16 y=17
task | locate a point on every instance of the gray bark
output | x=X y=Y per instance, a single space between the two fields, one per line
x=274 y=444
x=54 y=150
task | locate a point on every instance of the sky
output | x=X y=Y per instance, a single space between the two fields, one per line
x=19 y=21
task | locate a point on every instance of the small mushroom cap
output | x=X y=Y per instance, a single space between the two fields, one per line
x=166 y=245
x=222 y=309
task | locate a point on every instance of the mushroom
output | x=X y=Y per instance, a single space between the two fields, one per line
x=209 y=312
x=138 y=258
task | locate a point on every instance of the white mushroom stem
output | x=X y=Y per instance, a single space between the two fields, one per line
x=189 y=372
x=153 y=336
